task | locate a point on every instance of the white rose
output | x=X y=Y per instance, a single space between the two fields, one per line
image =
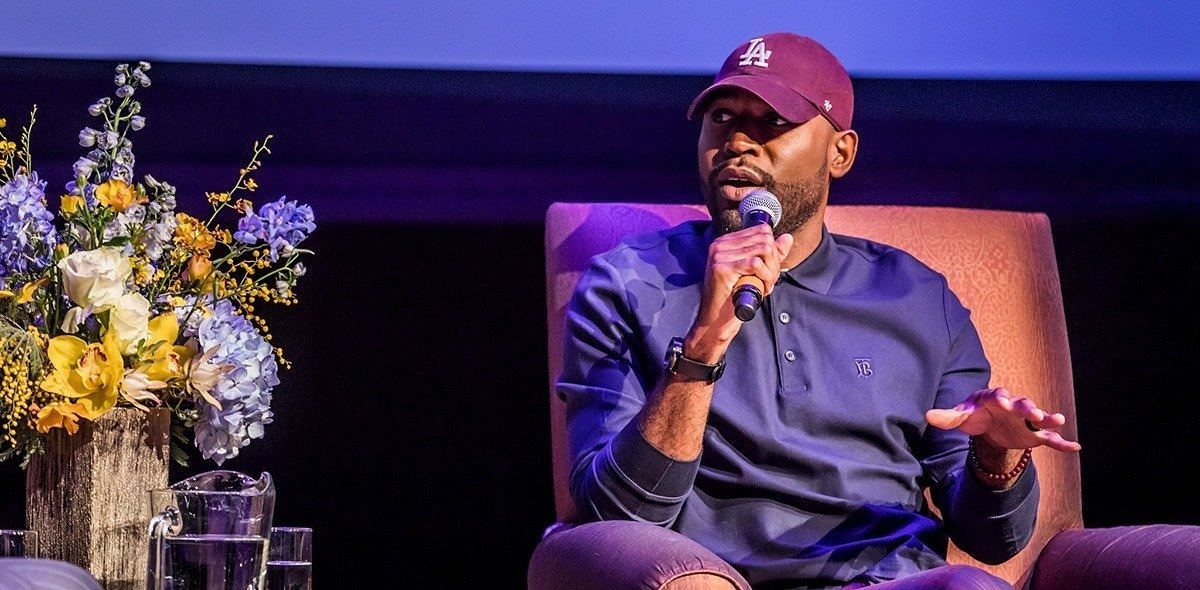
x=130 y=318
x=95 y=279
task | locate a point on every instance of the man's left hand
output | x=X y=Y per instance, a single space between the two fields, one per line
x=999 y=418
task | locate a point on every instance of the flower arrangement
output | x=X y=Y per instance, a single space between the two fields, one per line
x=119 y=299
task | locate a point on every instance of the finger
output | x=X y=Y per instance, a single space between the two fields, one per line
x=783 y=245
x=1028 y=410
x=1049 y=421
x=754 y=232
x=946 y=419
x=1055 y=441
x=762 y=266
x=1000 y=401
x=732 y=252
x=977 y=399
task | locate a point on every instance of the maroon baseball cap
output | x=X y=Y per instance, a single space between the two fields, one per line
x=794 y=74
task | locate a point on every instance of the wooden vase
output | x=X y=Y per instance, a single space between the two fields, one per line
x=87 y=494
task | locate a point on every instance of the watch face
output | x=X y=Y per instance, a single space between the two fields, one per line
x=674 y=351
x=718 y=371
x=678 y=364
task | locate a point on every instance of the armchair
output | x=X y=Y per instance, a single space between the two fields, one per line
x=1002 y=265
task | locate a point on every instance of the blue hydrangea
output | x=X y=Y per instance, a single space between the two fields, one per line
x=244 y=391
x=27 y=234
x=281 y=225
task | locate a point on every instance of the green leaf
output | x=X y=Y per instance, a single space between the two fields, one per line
x=34 y=447
x=179 y=455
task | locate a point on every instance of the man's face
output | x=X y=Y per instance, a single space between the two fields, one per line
x=745 y=145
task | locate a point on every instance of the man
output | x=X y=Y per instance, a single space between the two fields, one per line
x=794 y=445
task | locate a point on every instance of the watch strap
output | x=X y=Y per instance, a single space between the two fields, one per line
x=678 y=364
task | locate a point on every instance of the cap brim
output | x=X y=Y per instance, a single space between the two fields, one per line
x=790 y=104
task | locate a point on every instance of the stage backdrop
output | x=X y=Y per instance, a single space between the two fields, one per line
x=1115 y=39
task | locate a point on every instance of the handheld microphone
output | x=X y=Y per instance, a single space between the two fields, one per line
x=759 y=207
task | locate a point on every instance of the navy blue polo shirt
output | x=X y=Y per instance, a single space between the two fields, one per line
x=816 y=450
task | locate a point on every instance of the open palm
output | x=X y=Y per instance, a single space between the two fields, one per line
x=1000 y=418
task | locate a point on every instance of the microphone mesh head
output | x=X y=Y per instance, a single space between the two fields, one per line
x=762 y=200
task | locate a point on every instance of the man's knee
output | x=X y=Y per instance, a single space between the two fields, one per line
x=623 y=554
x=700 y=581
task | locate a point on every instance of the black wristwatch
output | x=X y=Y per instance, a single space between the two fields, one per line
x=677 y=364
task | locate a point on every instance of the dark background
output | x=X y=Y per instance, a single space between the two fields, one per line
x=412 y=433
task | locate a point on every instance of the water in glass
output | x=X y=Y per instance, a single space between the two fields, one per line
x=289 y=575
x=214 y=562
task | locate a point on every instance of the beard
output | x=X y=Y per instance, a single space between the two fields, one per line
x=800 y=199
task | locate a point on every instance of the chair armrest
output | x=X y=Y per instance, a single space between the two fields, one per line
x=620 y=554
x=1152 y=556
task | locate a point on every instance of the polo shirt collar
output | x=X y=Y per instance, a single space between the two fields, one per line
x=816 y=272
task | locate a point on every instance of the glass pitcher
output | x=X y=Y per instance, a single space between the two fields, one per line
x=210 y=532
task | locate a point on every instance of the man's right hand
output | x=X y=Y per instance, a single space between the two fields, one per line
x=752 y=251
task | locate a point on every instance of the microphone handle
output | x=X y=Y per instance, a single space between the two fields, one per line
x=747 y=293
x=747 y=297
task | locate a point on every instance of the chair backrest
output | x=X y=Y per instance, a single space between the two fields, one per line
x=1000 y=263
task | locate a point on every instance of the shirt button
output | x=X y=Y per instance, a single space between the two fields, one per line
x=784 y=317
x=789 y=355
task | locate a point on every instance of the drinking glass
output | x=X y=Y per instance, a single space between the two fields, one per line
x=289 y=559
x=18 y=543
x=210 y=532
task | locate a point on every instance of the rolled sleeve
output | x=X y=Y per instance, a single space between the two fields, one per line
x=631 y=480
x=990 y=525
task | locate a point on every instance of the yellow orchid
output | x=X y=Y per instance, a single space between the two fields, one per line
x=60 y=415
x=90 y=373
x=164 y=361
x=26 y=293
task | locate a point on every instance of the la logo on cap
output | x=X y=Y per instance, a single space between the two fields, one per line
x=756 y=55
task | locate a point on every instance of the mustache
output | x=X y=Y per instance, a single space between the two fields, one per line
x=767 y=178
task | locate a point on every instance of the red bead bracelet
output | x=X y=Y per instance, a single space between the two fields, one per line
x=973 y=457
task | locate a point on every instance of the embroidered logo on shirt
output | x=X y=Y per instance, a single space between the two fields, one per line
x=864 y=366
x=756 y=55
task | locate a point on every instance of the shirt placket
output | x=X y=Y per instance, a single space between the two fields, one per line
x=788 y=323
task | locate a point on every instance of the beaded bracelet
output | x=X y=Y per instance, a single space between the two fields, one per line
x=973 y=457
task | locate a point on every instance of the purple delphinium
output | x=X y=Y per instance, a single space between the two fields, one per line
x=27 y=234
x=281 y=225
